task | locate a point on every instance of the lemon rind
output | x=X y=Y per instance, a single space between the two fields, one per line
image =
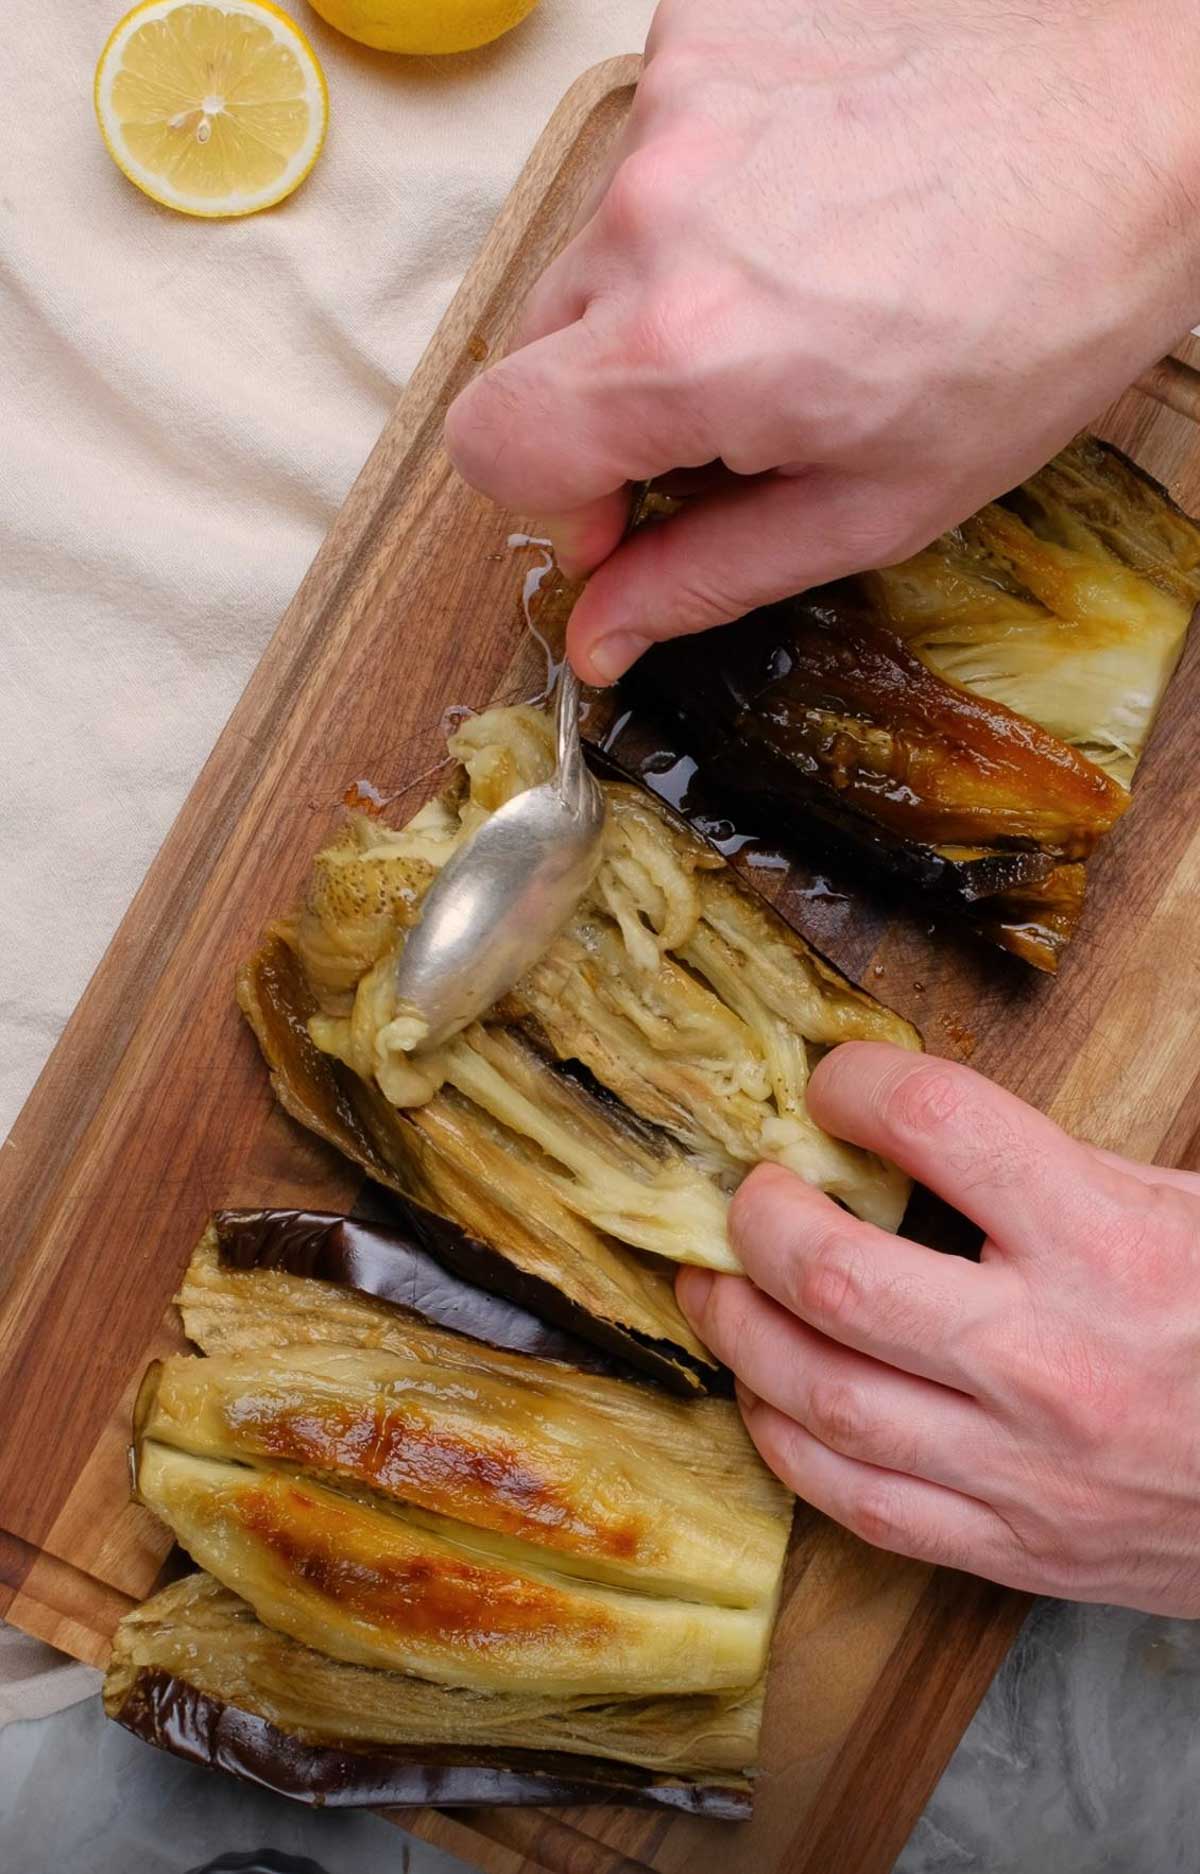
x=250 y=202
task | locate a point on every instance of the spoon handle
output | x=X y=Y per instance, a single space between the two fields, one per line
x=574 y=779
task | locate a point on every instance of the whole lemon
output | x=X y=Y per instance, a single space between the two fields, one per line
x=423 y=25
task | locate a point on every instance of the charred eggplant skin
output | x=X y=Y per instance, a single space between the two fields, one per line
x=164 y=1710
x=840 y=714
x=816 y=710
x=411 y=1266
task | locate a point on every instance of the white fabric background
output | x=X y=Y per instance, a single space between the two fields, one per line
x=184 y=405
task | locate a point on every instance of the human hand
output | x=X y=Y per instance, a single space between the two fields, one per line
x=865 y=267
x=1034 y=1418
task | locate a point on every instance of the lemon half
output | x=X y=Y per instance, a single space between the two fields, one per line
x=213 y=107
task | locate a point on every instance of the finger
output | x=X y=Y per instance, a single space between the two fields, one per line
x=568 y=419
x=1003 y=1164
x=854 y=1405
x=558 y=300
x=905 y=1515
x=893 y=1299
x=760 y=539
x=584 y=538
x=598 y=189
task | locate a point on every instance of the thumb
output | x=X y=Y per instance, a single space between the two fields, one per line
x=725 y=553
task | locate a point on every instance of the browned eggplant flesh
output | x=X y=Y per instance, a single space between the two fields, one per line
x=436 y=1566
x=970 y=720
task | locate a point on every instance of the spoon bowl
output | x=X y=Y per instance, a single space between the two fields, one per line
x=501 y=900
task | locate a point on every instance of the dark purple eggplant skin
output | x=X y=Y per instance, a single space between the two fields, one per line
x=410 y=1267
x=166 y=1711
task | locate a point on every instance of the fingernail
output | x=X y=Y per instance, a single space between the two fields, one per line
x=612 y=656
x=692 y=1290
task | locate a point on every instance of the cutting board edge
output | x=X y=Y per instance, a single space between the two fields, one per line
x=72 y=1080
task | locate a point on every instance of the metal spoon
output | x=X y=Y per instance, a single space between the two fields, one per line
x=504 y=896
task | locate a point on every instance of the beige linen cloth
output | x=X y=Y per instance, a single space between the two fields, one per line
x=184 y=406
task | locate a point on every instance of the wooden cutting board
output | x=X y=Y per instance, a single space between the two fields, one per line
x=154 y=1107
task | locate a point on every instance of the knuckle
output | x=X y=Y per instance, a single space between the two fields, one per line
x=696 y=601
x=643 y=196
x=1052 y=1552
x=479 y=423
x=875 y=523
x=839 y=1416
x=904 y=529
x=880 y=538
x=917 y=1101
x=669 y=72
x=1088 y=1394
x=1074 y=1384
x=879 y=1515
x=828 y=1283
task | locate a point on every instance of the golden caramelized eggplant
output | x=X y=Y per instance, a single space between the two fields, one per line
x=618 y=1491
x=592 y=1127
x=362 y=1581
x=430 y=1555
x=972 y=718
x=195 y=1672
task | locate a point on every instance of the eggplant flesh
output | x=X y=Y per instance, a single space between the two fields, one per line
x=591 y=1129
x=401 y=1495
x=522 y=1465
x=970 y=720
x=541 y=1258
x=437 y=1567
x=405 y=1496
x=362 y=1580
x=195 y=1672
x=409 y=1261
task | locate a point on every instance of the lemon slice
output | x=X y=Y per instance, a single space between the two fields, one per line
x=213 y=107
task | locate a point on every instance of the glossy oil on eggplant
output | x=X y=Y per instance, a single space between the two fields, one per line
x=970 y=720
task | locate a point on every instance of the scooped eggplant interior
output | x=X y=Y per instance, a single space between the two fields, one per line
x=425 y=1540
x=594 y=1125
x=970 y=719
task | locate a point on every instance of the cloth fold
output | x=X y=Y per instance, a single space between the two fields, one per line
x=37 y=1680
x=185 y=406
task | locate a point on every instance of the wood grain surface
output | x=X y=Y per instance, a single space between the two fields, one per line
x=154 y=1107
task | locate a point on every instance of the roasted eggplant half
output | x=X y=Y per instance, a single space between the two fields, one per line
x=970 y=720
x=195 y=1672
x=590 y=1130
x=427 y=1554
